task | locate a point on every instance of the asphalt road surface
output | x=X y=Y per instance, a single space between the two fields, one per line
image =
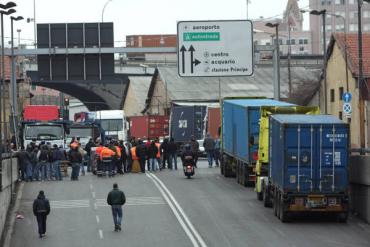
x=166 y=209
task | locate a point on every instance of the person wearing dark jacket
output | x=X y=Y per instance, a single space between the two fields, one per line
x=152 y=156
x=75 y=158
x=88 y=147
x=41 y=209
x=116 y=199
x=172 y=152
x=165 y=155
x=209 y=147
x=195 y=149
x=24 y=162
x=57 y=157
x=141 y=154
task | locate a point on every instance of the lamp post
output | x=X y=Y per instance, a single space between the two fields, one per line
x=102 y=12
x=13 y=77
x=277 y=60
x=323 y=14
x=3 y=12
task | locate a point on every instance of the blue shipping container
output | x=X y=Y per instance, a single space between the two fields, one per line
x=308 y=154
x=240 y=124
x=187 y=121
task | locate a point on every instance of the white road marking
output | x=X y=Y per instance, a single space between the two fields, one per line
x=135 y=201
x=160 y=185
x=97 y=219
x=181 y=221
x=101 y=234
x=91 y=187
x=95 y=206
x=93 y=194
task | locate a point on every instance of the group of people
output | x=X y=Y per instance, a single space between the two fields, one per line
x=212 y=148
x=41 y=162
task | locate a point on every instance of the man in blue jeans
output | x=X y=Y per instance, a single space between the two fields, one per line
x=116 y=199
x=209 y=147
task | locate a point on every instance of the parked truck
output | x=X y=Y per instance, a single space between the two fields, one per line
x=240 y=135
x=262 y=165
x=149 y=127
x=41 y=124
x=308 y=164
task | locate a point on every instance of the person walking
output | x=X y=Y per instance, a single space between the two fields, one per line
x=41 y=209
x=116 y=199
x=217 y=153
x=172 y=151
x=209 y=147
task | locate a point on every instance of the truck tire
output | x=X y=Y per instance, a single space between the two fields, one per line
x=266 y=198
x=259 y=196
x=283 y=215
x=275 y=204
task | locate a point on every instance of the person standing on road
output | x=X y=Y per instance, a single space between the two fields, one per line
x=75 y=158
x=217 y=153
x=141 y=154
x=165 y=155
x=209 y=147
x=88 y=147
x=152 y=156
x=172 y=151
x=41 y=209
x=57 y=156
x=116 y=199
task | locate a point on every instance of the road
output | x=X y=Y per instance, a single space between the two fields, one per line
x=166 y=209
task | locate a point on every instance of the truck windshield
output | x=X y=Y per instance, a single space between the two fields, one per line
x=44 y=132
x=112 y=124
x=80 y=132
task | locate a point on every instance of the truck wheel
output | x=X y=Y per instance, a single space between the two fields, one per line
x=342 y=217
x=283 y=214
x=266 y=199
x=275 y=204
x=259 y=196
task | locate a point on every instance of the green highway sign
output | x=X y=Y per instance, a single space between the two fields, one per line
x=213 y=36
x=215 y=48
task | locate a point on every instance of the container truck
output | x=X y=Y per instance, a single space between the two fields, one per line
x=40 y=113
x=240 y=135
x=263 y=143
x=114 y=124
x=85 y=131
x=308 y=165
x=187 y=121
x=149 y=127
x=213 y=121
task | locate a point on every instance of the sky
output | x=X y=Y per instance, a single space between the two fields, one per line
x=132 y=17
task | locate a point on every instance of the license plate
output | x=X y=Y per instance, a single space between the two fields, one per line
x=315 y=202
x=298 y=201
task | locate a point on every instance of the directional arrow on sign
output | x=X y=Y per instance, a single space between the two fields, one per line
x=183 y=50
x=191 y=49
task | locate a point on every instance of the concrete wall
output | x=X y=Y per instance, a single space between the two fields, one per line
x=359 y=176
x=9 y=175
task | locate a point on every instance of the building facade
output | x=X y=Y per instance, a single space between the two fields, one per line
x=291 y=33
x=348 y=9
x=338 y=83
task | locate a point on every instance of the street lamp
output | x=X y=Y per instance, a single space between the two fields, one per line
x=277 y=59
x=102 y=12
x=2 y=93
x=323 y=14
x=13 y=78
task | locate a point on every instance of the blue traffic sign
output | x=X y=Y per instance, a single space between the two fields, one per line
x=347 y=97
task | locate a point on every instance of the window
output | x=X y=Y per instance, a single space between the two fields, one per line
x=366 y=27
x=341 y=2
x=353 y=14
x=352 y=1
x=341 y=93
x=301 y=48
x=288 y=42
x=366 y=14
x=353 y=27
x=301 y=41
x=292 y=41
x=305 y=41
x=332 y=95
x=339 y=27
x=325 y=2
x=341 y=115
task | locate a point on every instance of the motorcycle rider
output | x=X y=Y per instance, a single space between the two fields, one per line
x=188 y=157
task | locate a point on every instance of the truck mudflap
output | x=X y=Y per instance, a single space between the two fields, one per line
x=317 y=203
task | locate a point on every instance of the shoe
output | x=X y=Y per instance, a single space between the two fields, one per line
x=119 y=228
x=116 y=228
x=40 y=236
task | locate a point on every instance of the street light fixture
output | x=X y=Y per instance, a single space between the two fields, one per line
x=323 y=14
x=102 y=12
x=2 y=93
x=277 y=59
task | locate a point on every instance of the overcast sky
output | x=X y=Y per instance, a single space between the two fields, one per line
x=140 y=16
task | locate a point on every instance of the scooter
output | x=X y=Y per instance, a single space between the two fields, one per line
x=188 y=170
